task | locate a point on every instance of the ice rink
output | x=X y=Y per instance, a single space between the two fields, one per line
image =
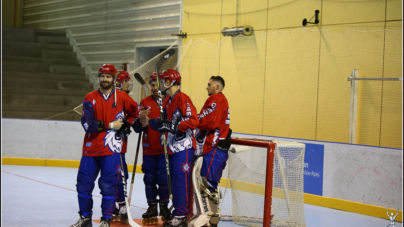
x=46 y=196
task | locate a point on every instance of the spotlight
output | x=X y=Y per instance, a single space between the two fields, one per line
x=235 y=31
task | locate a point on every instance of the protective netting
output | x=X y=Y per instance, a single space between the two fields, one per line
x=294 y=83
x=244 y=189
x=146 y=69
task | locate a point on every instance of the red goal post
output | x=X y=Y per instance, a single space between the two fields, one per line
x=270 y=146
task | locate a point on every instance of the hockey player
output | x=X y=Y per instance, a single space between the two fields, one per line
x=213 y=139
x=180 y=119
x=106 y=126
x=154 y=164
x=123 y=81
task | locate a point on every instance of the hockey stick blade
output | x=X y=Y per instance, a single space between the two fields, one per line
x=140 y=79
x=166 y=55
x=131 y=222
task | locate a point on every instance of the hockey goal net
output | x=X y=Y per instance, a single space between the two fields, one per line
x=262 y=184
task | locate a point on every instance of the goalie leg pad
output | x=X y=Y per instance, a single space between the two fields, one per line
x=201 y=200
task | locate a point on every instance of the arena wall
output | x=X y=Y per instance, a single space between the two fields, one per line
x=353 y=175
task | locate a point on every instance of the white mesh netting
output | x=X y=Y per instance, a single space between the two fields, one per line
x=244 y=188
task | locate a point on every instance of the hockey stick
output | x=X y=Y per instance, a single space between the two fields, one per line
x=146 y=89
x=134 y=167
x=160 y=103
x=131 y=222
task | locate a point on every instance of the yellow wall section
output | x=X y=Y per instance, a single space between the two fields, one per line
x=290 y=13
x=391 y=122
x=243 y=60
x=338 y=12
x=394 y=10
x=202 y=18
x=293 y=83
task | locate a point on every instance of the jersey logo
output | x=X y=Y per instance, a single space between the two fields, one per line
x=185 y=167
x=114 y=140
x=216 y=136
x=93 y=101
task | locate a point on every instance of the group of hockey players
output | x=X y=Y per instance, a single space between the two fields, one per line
x=195 y=147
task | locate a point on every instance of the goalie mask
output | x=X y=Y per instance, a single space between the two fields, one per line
x=172 y=75
x=123 y=81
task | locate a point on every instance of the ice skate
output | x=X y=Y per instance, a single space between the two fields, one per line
x=105 y=222
x=150 y=217
x=84 y=221
x=165 y=213
x=176 y=222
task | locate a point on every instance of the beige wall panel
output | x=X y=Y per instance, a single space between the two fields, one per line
x=201 y=17
x=338 y=12
x=291 y=84
x=394 y=10
x=249 y=12
x=391 y=122
x=200 y=62
x=283 y=14
x=242 y=64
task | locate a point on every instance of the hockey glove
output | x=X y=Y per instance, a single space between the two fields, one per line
x=123 y=134
x=226 y=143
x=166 y=126
x=124 y=131
x=125 y=126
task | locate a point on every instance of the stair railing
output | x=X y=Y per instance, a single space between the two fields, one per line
x=92 y=78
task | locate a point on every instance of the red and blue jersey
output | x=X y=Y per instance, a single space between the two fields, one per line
x=99 y=107
x=152 y=141
x=180 y=109
x=214 y=123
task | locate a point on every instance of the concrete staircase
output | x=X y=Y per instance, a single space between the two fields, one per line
x=41 y=75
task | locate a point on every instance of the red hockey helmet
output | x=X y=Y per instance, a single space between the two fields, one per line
x=171 y=74
x=122 y=75
x=107 y=69
x=153 y=77
x=120 y=78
